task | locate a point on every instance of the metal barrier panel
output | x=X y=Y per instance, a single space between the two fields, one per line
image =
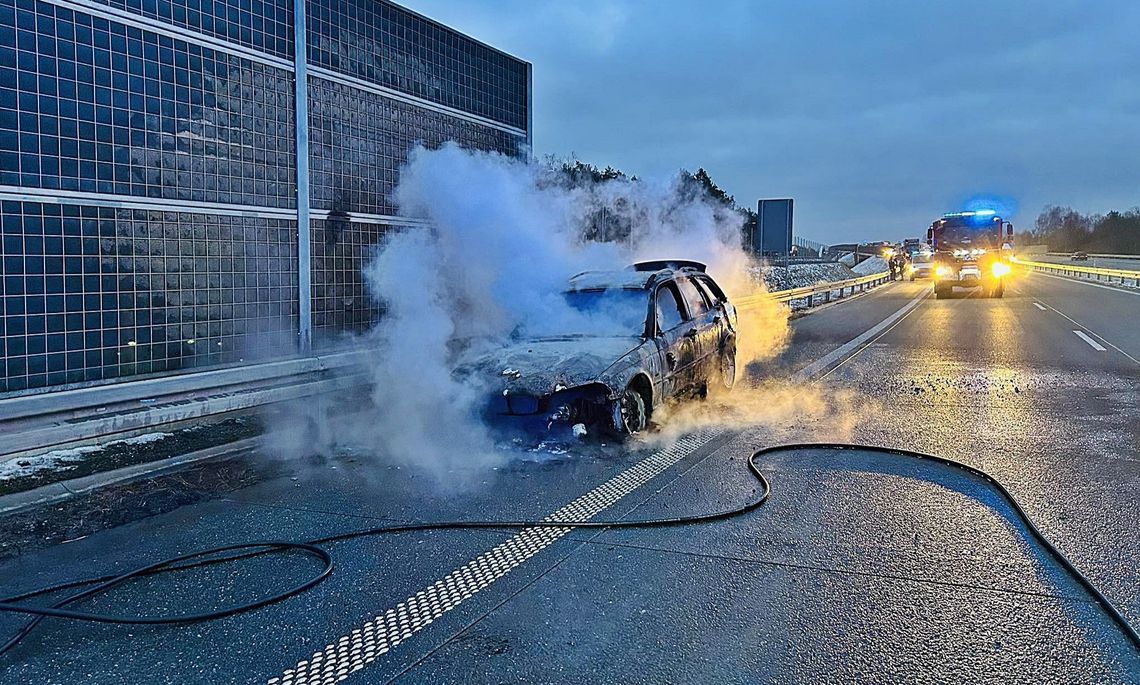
x=158 y=162
x=1123 y=276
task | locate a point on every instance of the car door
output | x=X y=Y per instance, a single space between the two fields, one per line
x=675 y=343
x=719 y=300
x=707 y=322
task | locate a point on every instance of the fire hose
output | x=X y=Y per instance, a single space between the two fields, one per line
x=90 y=587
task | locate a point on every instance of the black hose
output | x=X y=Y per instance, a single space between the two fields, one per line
x=230 y=553
x=1103 y=602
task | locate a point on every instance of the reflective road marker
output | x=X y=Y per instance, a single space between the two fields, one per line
x=380 y=634
x=1095 y=345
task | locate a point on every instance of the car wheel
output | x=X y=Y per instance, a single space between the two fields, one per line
x=726 y=368
x=628 y=414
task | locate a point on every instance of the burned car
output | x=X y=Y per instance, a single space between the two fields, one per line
x=625 y=342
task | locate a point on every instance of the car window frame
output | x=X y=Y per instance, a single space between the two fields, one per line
x=683 y=307
x=712 y=287
x=688 y=280
x=710 y=298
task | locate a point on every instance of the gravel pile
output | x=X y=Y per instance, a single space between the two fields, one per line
x=801 y=275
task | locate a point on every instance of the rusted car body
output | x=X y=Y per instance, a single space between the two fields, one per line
x=648 y=334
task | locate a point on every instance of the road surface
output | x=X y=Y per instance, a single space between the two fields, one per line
x=860 y=567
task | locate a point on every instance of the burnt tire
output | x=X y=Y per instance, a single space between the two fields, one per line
x=628 y=413
x=725 y=378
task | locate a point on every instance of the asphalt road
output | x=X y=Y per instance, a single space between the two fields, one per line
x=860 y=567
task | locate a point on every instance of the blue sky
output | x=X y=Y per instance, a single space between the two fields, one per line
x=875 y=116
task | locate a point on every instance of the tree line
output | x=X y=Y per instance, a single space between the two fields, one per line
x=1064 y=229
x=613 y=225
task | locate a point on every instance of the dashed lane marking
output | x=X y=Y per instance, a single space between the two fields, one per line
x=845 y=352
x=1094 y=344
x=382 y=633
x=1093 y=334
x=1039 y=306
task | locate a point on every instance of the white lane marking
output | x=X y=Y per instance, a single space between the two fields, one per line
x=1098 y=336
x=1095 y=345
x=383 y=632
x=1084 y=281
x=823 y=364
x=1039 y=306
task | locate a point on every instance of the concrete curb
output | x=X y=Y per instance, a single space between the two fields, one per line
x=63 y=490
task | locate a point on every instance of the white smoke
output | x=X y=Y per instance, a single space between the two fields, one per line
x=504 y=237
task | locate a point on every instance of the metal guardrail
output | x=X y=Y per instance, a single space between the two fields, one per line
x=214 y=380
x=36 y=422
x=33 y=423
x=1095 y=273
x=821 y=293
x=1103 y=255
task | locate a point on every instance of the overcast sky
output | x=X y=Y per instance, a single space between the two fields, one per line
x=875 y=116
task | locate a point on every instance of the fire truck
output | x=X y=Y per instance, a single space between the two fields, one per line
x=971 y=250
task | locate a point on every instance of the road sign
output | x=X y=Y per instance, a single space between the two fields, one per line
x=773 y=227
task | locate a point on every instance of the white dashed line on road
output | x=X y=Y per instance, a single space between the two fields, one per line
x=1039 y=306
x=832 y=360
x=1095 y=345
x=1098 y=336
x=383 y=632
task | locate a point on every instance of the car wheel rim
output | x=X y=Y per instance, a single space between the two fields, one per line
x=728 y=370
x=628 y=412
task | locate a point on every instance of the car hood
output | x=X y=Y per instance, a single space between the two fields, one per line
x=538 y=366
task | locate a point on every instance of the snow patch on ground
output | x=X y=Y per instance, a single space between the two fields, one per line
x=145 y=438
x=62 y=460
x=801 y=275
x=871 y=265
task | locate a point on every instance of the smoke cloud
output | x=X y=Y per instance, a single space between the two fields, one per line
x=500 y=238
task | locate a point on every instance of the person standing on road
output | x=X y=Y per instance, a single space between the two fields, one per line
x=899 y=262
x=893 y=268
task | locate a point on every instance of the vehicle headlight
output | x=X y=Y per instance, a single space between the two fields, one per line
x=942 y=271
x=1000 y=269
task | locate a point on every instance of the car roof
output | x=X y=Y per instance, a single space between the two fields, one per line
x=604 y=280
x=627 y=279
